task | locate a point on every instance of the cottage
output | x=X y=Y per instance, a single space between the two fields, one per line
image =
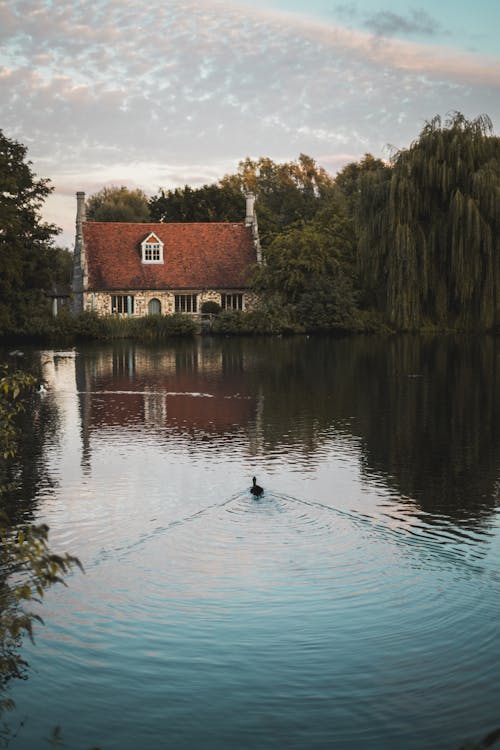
x=143 y=269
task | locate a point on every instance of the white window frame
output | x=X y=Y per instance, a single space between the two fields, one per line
x=152 y=249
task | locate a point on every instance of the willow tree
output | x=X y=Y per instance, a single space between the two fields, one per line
x=429 y=228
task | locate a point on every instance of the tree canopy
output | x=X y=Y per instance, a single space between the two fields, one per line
x=118 y=204
x=208 y=203
x=285 y=193
x=27 y=258
x=429 y=228
x=310 y=268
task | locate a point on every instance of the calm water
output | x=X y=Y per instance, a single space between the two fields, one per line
x=356 y=604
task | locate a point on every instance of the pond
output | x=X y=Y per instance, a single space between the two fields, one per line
x=355 y=604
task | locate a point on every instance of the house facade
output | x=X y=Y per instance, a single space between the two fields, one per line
x=159 y=268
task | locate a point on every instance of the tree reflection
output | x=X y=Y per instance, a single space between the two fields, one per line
x=424 y=410
x=433 y=422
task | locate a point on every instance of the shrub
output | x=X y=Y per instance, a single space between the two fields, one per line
x=163 y=326
x=211 y=307
x=89 y=325
x=261 y=321
x=329 y=306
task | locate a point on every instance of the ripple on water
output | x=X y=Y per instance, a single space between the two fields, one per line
x=276 y=611
x=243 y=547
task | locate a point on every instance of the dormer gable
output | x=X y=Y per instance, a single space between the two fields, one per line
x=152 y=249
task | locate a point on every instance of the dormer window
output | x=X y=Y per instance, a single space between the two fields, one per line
x=152 y=249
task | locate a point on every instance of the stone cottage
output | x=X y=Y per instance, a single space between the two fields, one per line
x=142 y=269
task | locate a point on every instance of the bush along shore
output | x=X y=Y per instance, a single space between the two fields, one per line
x=267 y=321
x=88 y=326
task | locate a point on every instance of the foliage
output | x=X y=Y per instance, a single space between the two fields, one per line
x=429 y=228
x=210 y=307
x=61 y=262
x=27 y=566
x=118 y=204
x=286 y=193
x=14 y=389
x=28 y=569
x=90 y=325
x=28 y=262
x=310 y=266
x=154 y=327
x=347 y=181
x=208 y=203
x=268 y=318
x=329 y=306
x=297 y=258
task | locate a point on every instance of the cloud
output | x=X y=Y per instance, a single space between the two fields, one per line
x=416 y=22
x=173 y=93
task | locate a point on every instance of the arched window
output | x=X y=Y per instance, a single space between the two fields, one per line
x=154 y=307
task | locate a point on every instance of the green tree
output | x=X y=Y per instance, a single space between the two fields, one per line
x=347 y=181
x=26 y=241
x=310 y=266
x=118 y=204
x=208 y=203
x=60 y=261
x=429 y=229
x=286 y=192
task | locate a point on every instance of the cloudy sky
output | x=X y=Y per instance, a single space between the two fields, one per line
x=169 y=92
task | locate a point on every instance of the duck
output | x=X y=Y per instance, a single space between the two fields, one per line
x=256 y=489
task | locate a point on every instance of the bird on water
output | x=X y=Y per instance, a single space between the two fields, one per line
x=256 y=489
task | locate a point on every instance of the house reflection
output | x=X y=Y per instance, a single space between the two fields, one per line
x=421 y=414
x=188 y=388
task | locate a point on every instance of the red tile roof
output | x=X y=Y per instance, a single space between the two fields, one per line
x=195 y=256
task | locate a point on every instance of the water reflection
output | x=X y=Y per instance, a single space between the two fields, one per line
x=29 y=473
x=429 y=415
x=336 y=610
x=422 y=413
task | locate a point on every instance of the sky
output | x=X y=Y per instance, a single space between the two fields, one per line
x=173 y=92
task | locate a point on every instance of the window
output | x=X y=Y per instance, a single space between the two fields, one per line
x=152 y=252
x=232 y=301
x=122 y=303
x=186 y=303
x=152 y=249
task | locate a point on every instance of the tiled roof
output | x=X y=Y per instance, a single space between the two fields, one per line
x=195 y=256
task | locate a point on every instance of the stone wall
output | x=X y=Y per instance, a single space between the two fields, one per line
x=100 y=302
